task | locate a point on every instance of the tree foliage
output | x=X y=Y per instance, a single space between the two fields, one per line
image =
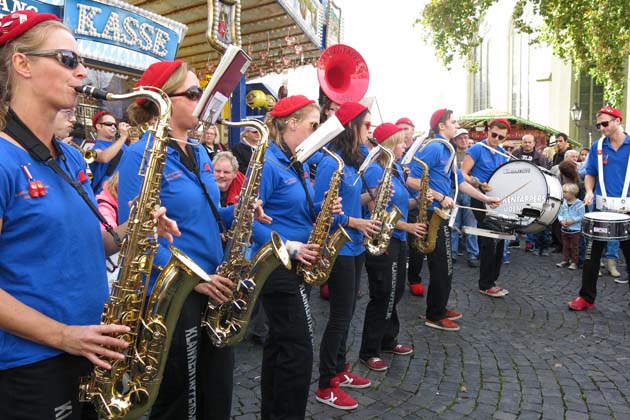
x=592 y=35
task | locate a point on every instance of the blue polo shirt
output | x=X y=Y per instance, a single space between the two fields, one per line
x=183 y=196
x=284 y=200
x=350 y=191
x=486 y=162
x=614 y=164
x=436 y=156
x=373 y=176
x=51 y=248
x=99 y=169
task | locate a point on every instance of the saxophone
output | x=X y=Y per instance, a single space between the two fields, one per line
x=317 y=273
x=379 y=243
x=129 y=389
x=226 y=324
x=426 y=245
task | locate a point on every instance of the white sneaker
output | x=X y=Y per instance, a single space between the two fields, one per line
x=620 y=280
x=611 y=266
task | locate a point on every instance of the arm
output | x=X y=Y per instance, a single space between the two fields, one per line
x=466 y=188
x=105 y=155
x=467 y=165
x=589 y=184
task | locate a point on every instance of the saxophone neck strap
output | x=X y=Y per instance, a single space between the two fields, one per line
x=16 y=128
x=189 y=160
x=297 y=167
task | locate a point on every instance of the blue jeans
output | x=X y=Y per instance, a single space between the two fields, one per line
x=465 y=217
x=612 y=250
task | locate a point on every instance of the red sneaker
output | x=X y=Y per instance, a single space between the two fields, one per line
x=350 y=380
x=416 y=289
x=400 y=350
x=453 y=315
x=579 y=304
x=335 y=397
x=323 y=292
x=375 y=363
x=495 y=292
x=443 y=324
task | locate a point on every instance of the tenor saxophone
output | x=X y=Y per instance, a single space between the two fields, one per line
x=378 y=244
x=226 y=324
x=426 y=245
x=317 y=273
x=129 y=389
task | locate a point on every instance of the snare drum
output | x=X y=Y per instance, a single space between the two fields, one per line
x=542 y=195
x=606 y=226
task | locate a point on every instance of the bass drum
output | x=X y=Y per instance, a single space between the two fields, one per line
x=534 y=206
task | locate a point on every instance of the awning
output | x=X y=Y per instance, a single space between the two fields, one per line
x=266 y=25
x=480 y=119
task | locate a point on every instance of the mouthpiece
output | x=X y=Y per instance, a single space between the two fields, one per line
x=94 y=92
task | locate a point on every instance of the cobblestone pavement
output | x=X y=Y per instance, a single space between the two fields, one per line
x=525 y=356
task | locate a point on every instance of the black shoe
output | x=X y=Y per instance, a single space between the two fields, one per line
x=557 y=250
x=473 y=263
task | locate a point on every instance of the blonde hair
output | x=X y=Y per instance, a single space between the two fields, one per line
x=30 y=40
x=389 y=143
x=278 y=125
x=571 y=189
x=112 y=185
x=142 y=114
x=226 y=156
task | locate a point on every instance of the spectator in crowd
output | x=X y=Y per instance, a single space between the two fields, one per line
x=570 y=217
x=243 y=150
x=229 y=178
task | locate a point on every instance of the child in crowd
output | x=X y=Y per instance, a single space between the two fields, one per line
x=570 y=218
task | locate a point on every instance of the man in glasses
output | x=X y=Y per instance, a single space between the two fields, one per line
x=243 y=151
x=606 y=176
x=109 y=148
x=479 y=163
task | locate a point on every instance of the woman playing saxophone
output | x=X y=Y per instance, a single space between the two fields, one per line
x=193 y=367
x=387 y=272
x=50 y=303
x=287 y=196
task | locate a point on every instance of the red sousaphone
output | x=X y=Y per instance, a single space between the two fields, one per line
x=343 y=74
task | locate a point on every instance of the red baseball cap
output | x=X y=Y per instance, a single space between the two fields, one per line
x=349 y=111
x=157 y=74
x=436 y=117
x=98 y=115
x=612 y=111
x=502 y=121
x=405 y=120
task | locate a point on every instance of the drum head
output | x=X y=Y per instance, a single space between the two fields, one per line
x=512 y=175
x=607 y=216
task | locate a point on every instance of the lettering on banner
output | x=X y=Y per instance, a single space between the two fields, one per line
x=129 y=31
x=15 y=6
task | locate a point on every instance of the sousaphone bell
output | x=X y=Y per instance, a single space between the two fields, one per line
x=343 y=74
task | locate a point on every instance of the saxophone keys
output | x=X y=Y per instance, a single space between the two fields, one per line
x=246 y=286
x=239 y=305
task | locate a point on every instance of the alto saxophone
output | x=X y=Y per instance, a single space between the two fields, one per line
x=317 y=273
x=379 y=243
x=129 y=389
x=226 y=324
x=426 y=245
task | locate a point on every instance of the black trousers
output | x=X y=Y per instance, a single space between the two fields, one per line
x=288 y=351
x=197 y=381
x=441 y=272
x=592 y=259
x=415 y=258
x=490 y=250
x=46 y=390
x=343 y=285
x=386 y=277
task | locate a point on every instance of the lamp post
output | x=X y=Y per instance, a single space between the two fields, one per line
x=576 y=116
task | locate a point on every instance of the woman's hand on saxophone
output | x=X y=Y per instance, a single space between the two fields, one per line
x=416 y=229
x=219 y=289
x=337 y=208
x=166 y=227
x=367 y=227
x=304 y=253
x=94 y=342
x=259 y=213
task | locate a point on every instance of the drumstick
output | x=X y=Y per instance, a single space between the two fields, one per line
x=473 y=208
x=515 y=191
x=508 y=156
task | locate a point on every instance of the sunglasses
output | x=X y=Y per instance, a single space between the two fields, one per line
x=66 y=58
x=108 y=124
x=314 y=125
x=193 y=93
x=497 y=136
x=508 y=149
x=603 y=124
x=368 y=124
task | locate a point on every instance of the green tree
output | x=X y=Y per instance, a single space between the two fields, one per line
x=592 y=35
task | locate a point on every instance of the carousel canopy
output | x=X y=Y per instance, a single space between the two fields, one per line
x=273 y=32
